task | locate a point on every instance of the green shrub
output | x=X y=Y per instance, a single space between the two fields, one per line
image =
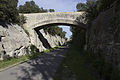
x=22 y=19
x=33 y=52
x=55 y=30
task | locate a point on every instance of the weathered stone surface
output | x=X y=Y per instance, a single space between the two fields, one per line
x=14 y=41
x=51 y=41
x=104 y=36
x=40 y=20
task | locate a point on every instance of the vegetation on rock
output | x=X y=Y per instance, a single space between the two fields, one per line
x=55 y=30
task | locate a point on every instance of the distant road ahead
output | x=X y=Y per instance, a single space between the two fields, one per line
x=42 y=68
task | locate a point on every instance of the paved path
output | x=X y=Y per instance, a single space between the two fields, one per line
x=41 y=68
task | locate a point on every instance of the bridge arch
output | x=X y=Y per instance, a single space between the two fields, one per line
x=47 y=23
x=40 y=20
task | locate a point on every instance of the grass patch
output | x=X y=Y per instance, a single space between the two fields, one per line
x=7 y=63
x=75 y=67
x=34 y=53
x=46 y=51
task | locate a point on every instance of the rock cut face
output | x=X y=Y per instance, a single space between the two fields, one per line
x=13 y=41
x=104 y=38
x=44 y=40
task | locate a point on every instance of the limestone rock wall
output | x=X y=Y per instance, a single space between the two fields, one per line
x=13 y=41
x=49 y=40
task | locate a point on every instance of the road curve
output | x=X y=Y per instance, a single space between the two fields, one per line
x=42 y=68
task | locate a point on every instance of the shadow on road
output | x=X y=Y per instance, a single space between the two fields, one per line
x=42 y=68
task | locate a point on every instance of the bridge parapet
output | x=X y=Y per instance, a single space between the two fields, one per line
x=34 y=19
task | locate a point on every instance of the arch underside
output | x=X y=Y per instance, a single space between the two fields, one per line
x=47 y=23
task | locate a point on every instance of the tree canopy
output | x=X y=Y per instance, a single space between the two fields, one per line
x=81 y=7
x=8 y=11
x=51 y=10
x=55 y=30
x=95 y=6
x=103 y=5
x=31 y=7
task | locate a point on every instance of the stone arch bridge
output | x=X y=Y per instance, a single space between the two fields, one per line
x=40 y=20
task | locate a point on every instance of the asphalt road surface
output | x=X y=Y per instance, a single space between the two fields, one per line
x=42 y=68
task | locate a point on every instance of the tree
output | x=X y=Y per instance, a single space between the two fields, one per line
x=8 y=11
x=81 y=7
x=30 y=7
x=103 y=5
x=55 y=30
x=22 y=20
x=51 y=10
x=91 y=9
x=42 y=10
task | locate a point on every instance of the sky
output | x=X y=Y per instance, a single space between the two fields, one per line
x=66 y=29
x=58 y=6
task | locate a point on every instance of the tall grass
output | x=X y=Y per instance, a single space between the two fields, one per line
x=75 y=64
